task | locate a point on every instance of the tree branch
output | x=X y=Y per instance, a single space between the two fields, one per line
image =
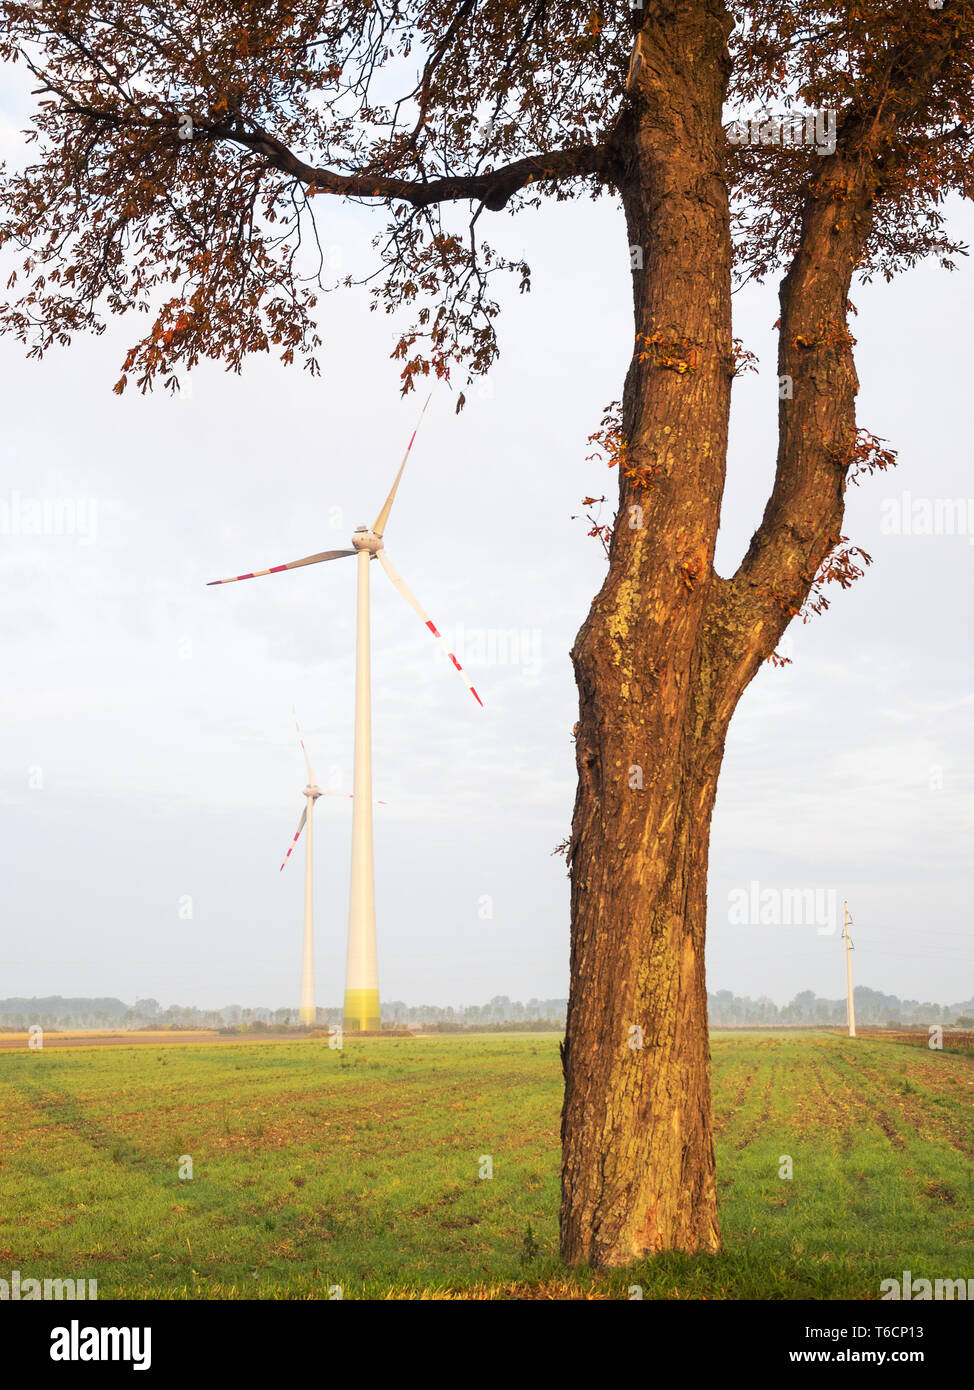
x=817 y=426
x=494 y=188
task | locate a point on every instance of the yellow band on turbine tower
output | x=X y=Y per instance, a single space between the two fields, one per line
x=361 y=1011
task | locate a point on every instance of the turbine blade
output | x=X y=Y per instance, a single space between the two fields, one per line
x=413 y=602
x=383 y=517
x=307 y=760
x=294 y=565
x=297 y=834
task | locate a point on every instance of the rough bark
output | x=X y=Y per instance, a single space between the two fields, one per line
x=638 y=1165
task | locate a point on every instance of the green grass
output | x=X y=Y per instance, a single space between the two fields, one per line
x=361 y=1168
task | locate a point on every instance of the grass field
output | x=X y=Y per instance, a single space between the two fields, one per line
x=953 y=1039
x=361 y=1168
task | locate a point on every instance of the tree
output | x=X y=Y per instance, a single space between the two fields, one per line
x=180 y=151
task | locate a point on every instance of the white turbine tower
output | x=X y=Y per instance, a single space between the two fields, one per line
x=361 y=1011
x=311 y=794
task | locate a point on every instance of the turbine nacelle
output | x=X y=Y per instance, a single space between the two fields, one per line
x=364 y=538
x=312 y=791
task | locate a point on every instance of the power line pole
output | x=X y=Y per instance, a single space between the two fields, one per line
x=850 y=1001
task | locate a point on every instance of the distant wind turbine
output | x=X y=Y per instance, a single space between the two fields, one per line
x=361 y=1011
x=311 y=794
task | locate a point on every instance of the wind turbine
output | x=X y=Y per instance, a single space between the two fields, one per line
x=361 y=1010
x=311 y=793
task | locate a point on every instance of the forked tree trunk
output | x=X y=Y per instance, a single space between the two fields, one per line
x=669 y=647
x=638 y=1163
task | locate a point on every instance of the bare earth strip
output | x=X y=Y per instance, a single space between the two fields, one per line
x=162 y=1038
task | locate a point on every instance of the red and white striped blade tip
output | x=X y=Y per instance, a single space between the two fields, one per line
x=432 y=627
x=382 y=519
x=291 y=565
x=418 y=608
x=297 y=836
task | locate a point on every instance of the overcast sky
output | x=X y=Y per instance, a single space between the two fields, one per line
x=148 y=761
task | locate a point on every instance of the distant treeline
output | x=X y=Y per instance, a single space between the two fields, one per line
x=874 y=1008
x=726 y=1010
x=57 y=1012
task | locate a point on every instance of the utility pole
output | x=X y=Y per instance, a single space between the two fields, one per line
x=850 y=1002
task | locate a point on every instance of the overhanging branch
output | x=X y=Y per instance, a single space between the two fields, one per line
x=494 y=188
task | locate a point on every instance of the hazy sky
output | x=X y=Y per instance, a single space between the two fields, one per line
x=148 y=762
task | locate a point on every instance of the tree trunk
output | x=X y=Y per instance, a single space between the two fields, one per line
x=638 y=1169
x=669 y=647
x=638 y=1162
